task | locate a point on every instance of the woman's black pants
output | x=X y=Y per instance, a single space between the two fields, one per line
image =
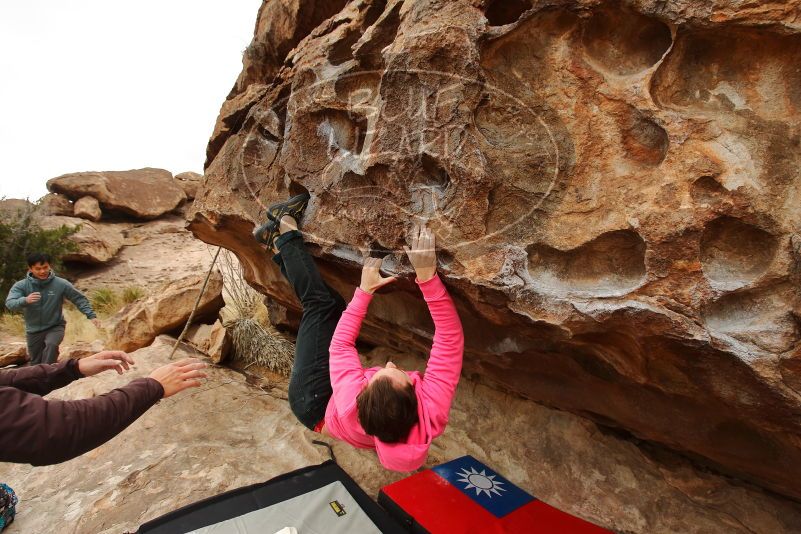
x=309 y=383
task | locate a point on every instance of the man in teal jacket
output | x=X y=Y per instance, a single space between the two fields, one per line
x=40 y=296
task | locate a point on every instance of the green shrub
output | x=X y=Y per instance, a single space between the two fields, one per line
x=132 y=293
x=105 y=301
x=20 y=235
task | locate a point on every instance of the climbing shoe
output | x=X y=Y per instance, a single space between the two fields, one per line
x=266 y=233
x=293 y=207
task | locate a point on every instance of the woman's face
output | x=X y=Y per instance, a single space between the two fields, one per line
x=394 y=373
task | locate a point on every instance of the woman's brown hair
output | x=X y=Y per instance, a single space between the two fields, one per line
x=386 y=411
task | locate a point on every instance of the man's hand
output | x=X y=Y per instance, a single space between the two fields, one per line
x=422 y=253
x=97 y=323
x=371 y=275
x=33 y=297
x=178 y=376
x=103 y=361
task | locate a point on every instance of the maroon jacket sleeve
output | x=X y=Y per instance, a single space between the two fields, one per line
x=42 y=432
x=41 y=379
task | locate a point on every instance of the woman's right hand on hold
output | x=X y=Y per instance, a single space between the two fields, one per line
x=422 y=253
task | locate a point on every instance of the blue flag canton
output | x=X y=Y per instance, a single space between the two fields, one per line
x=483 y=485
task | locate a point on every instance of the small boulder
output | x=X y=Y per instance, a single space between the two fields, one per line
x=198 y=337
x=142 y=193
x=54 y=204
x=15 y=353
x=189 y=182
x=138 y=324
x=87 y=208
x=214 y=340
x=220 y=343
x=97 y=242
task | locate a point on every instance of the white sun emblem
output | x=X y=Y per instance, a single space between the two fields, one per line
x=481 y=482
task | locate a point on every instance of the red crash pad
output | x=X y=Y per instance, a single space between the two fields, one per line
x=466 y=496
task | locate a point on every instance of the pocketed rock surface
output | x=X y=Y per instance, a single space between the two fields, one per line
x=234 y=431
x=614 y=188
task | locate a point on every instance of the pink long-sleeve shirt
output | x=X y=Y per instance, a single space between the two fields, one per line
x=435 y=388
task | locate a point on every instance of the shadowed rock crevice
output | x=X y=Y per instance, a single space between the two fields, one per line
x=369 y=50
x=342 y=50
x=375 y=9
x=623 y=42
x=502 y=12
x=644 y=140
x=734 y=253
x=707 y=190
x=611 y=264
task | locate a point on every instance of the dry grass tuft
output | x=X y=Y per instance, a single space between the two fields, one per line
x=105 y=301
x=12 y=325
x=255 y=341
x=132 y=294
x=79 y=328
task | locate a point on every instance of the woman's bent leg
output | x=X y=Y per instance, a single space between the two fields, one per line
x=309 y=383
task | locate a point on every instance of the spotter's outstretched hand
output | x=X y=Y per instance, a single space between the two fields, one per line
x=103 y=361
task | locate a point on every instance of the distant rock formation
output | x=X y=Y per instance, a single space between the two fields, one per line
x=189 y=182
x=143 y=193
x=96 y=242
x=615 y=189
x=55 y=204
x=87 y=208
x=105 y=205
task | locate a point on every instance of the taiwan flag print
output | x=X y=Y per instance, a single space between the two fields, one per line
x=466 y=496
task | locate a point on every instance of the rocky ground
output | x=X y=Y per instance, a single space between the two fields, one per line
x=237 y=430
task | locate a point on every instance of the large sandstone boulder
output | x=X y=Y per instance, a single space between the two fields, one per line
x=614 y=188
x=141 y=193
x=54 y=204
x=138 y=324
x=97 y=242
x=87 y=208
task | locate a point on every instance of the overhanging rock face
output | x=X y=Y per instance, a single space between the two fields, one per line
x=615 y=190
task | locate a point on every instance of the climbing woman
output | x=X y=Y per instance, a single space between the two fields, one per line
x=395 y=412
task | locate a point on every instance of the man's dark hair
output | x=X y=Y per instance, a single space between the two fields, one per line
x=38 y=257
x=386 y=411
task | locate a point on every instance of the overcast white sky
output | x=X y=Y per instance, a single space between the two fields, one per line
x=105 y=85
